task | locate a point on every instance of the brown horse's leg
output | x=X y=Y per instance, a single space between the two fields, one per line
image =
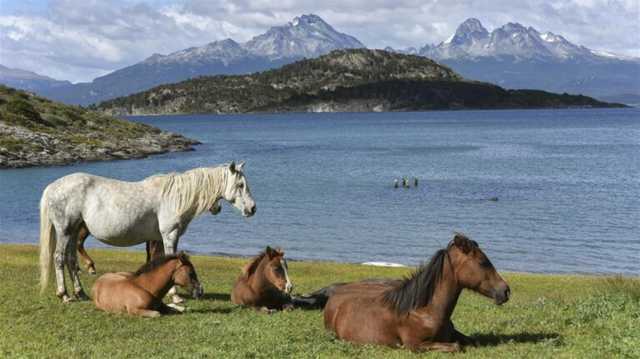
x=83 y=233
x=145 y=313
x=155 y=249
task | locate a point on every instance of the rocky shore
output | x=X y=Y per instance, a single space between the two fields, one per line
x=37 y=132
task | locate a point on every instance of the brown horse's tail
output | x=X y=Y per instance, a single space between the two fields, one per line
x=317 y=299
x=47 y=242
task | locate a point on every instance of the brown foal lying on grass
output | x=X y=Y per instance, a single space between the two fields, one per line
x=264 y=282
x=415 y=312
x=141 y=293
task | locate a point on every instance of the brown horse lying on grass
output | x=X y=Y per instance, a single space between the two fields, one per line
x=264 y=282
x=141 y=293
x=415 y=312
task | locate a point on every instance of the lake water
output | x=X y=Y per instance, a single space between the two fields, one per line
x=567 y=182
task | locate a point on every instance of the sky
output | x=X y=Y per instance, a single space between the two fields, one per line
x=78 y=40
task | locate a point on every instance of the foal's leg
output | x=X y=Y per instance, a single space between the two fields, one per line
x=83 y=233
x=72 y=267
x=59 y=259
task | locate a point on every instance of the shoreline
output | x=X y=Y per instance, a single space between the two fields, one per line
x=121 y=156
x=221 y=255
x=557 y=108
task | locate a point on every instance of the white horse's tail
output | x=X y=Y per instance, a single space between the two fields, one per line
x=47 y=242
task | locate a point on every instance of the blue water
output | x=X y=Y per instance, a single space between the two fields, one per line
x=567 y=181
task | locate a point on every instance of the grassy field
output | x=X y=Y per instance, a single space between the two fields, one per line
x=548 y=316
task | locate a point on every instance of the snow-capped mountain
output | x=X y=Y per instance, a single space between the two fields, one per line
x=516 y=56
x=472 y=40
x=304 y=36
x=27 y=80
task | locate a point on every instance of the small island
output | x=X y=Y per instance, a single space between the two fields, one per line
x=35 y=131
x=353 y=80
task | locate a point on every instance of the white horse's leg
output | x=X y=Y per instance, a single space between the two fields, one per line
x=170 y=242
x=72 y=267
x=59 y=258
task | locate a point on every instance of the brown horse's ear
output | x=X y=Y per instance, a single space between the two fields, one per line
x=270 y=252
x=462 y=242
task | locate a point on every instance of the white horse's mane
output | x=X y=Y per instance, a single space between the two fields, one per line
x=194 y=191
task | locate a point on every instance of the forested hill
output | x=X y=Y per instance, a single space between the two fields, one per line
x=343 y=80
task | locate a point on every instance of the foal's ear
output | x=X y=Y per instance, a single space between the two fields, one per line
x=271 y=252
x=462 y=242
x=183 y=257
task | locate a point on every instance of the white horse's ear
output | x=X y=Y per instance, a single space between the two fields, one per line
x=240 y=166
x=232 y=167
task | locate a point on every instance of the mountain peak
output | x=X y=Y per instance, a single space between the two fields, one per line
x=472 y=40
x=514 y=27
x=469 y=31
x=305 y=36
x=471 y=25
x=309 y=19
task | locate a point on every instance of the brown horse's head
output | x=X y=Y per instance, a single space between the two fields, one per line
x=474 y=270
x=185 y=275
x=272 y=266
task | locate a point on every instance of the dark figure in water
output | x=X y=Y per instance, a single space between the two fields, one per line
x=405 y=182
x=415 y=181
x=395 y=183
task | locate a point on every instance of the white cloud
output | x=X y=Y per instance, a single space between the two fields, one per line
x=81 y=39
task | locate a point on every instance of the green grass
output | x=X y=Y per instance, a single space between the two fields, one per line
x=566 y=316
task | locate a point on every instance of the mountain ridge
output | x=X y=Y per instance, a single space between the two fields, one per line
x=513 y=56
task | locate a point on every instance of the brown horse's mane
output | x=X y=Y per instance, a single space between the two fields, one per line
x=250 y=268
x=157 y=262
x=417 y=290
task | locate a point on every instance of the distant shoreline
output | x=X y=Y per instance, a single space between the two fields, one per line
x=130 y=116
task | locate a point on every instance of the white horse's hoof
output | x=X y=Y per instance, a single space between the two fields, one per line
x=67 y=299
x=81 y=295
x=176 y=299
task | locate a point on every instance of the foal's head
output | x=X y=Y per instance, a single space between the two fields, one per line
x=185 y=275
x=237 y=191
x=272 y=265
x=475 y=271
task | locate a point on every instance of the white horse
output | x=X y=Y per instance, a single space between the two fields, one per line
x=119 y=213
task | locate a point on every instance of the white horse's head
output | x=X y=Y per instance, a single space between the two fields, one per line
x=237 y=190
